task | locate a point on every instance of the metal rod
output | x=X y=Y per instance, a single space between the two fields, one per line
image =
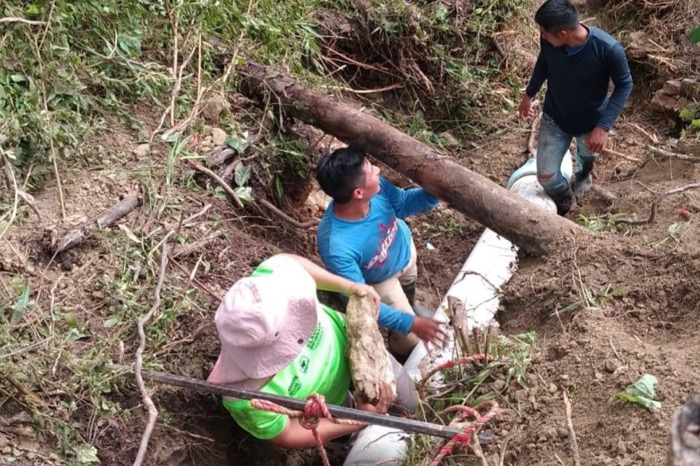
x=408 y=425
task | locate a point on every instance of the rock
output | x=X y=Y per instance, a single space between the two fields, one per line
x=499 y=385
x=668 y=103
x=598 y=376
x=562 y=432
x=690 y=89
x=611 y=365
x=550 y=433
x=142 y=150
x=450 y=140
x=98 y=295
x=213 y=108
x=552 y=388
x=218 y=137
x=672 y=87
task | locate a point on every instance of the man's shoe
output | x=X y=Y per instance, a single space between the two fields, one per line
x=582 y=185
x=564 y=202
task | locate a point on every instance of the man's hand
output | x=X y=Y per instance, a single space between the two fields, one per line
x=386 y=400
x=366 y=290
x=525 y=109
x=428 y=330
x=596 y=140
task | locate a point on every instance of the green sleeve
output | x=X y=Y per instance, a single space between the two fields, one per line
x=263 y=425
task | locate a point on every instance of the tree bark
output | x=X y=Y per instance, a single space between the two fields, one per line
x=526 y=225
x=369 y=361
x=685 y=435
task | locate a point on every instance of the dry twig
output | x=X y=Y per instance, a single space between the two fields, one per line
x=655 y=205
x=621 y=155
x=141 y=323
x=286 y=217
x=201 y=168
x=573 y=443
x=667 y=153
x=14 y=19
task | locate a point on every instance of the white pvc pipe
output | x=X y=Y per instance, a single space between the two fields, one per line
x=489 y=266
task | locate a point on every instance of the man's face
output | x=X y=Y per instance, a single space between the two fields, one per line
x=557 y=39
x=371 y=184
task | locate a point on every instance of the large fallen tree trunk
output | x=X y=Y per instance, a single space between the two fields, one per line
x=526 y=225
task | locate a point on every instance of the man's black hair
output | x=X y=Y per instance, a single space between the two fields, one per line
x=340 y=173
x=557 y=15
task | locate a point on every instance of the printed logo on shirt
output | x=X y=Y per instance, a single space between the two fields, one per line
x=315 y=338
x=294 y=386
x=304 y=364
x=388 y=235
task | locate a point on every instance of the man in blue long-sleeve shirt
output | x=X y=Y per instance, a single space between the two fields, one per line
x=363 y=238
x=578 y=63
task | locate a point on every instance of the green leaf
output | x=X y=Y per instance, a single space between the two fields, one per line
x=642 y=392
x=694 y=36
x=62 y=73
x=111 y=322
x=70 y=320
x=244 y=194
x=17 y=78
x=242 y=174
x=86 y=454
x=21 y=306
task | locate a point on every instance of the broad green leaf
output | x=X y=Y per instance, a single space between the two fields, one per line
x=244 y=194
x=86 y=454
x=642 y=392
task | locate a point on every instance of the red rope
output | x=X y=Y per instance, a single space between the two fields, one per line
x=314 y=410
x=463 y=440
x=450 y=365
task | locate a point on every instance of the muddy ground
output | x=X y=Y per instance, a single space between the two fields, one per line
x=636 y=289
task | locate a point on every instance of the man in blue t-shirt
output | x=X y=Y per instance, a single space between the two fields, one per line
x=363 y=238
x=578 y=63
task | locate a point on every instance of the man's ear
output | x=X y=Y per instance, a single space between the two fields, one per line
x=358 y=193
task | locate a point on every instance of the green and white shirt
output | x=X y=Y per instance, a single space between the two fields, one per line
x=321 y=367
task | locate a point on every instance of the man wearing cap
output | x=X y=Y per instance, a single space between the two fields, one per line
x=364 y=238
x=276 y=337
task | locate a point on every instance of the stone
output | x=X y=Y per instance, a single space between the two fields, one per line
x=450 y=140
x=142 y=150
x=611 y=366
x=690 y=89
x=672 y=87
x=218 y=137
x=552 y=388
x=213 y=108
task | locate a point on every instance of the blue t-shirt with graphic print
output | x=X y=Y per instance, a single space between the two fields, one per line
x=376 y=247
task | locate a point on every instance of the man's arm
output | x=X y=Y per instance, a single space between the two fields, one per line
x=622 y=78
x=389 y=317
x=407 y=202
x=539 y=76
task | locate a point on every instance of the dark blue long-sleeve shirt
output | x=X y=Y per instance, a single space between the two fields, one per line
x=577 y=83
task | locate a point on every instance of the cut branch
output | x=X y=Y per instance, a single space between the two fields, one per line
x=523 y=223
x=573 y=443
x=655 y=205
x=107 y=219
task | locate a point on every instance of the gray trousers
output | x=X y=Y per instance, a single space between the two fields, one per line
x=406 y=395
